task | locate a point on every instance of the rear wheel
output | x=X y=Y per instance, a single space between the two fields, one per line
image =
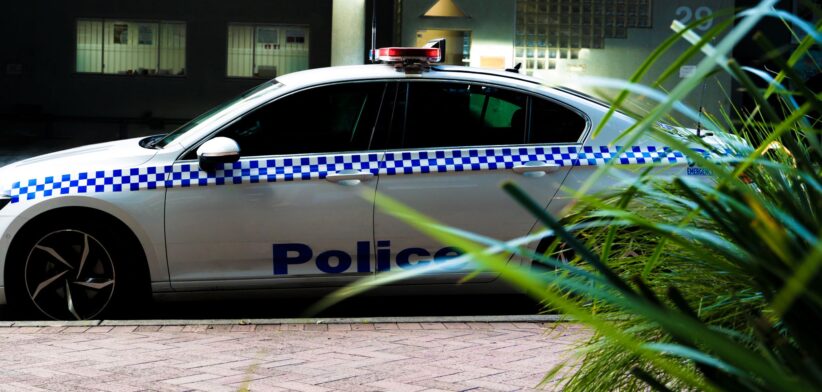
x=72 y=272
x=561 y=252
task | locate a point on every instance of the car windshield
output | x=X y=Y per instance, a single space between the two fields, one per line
x=160 y=143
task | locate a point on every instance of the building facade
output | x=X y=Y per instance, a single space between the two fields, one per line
x=115 y=68
x=90 y=67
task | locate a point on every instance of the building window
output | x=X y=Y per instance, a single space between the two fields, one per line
x=126 y=47
x=549 y=31
x=265 y=51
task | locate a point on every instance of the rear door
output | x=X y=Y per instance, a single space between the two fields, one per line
x=447 y=157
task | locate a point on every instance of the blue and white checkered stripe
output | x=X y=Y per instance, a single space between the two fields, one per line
x=271 y=170
x=89 y=182
x=506 y=158
x=318 y=167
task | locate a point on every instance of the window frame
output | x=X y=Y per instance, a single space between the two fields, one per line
x=372 y=140
x=529 y=95
x=585 y=117
x=159 y=22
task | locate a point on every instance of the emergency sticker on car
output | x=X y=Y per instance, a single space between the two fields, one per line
x=334 y=261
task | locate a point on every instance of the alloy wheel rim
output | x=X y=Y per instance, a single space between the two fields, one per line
x=69 y=274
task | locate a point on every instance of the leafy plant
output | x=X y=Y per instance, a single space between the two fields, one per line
x=687 y=284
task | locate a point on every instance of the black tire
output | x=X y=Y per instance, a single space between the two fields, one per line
x=70 y=269
x=562 y=252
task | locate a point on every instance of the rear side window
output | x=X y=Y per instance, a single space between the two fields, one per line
x=324 y=119
x=459 y=114
x=554 y=123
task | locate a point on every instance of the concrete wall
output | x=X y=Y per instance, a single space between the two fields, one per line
x=39 y=35
x=347 y=30
x=622 y=57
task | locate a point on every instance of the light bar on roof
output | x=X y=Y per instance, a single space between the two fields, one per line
x=398 y=54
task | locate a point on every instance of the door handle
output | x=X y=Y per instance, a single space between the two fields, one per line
x=535 y=168
x=349 y=177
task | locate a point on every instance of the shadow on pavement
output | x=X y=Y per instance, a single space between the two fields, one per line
x=387 y=306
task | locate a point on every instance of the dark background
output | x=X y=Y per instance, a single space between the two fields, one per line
x=48 y=100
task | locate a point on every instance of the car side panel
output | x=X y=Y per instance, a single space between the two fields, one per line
x=141 y=211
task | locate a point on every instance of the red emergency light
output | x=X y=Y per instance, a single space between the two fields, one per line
x=398 y=54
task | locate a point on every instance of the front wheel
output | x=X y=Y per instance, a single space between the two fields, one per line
x=71 y=272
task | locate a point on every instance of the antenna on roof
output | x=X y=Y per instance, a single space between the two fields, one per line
x=515 y=69
x=372 y=55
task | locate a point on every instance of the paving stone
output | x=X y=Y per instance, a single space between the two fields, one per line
x=99 y=329
x=75 y=329
x=219 y=328
x=243 y=328
x=396 y=386
x=148 y=328
x=268 y=327
x=124 y=328
x=362 y=327
x=51 y=329
x=383 y=356
x=28 y=329
x=195 y=328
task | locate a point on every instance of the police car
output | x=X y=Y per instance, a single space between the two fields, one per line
x=265 y=192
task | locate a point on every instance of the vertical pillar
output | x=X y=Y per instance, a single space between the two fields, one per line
x=347 y=32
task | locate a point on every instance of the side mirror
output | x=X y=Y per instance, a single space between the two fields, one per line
x=216 y=152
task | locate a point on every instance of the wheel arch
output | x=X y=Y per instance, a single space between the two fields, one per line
x=132 y=238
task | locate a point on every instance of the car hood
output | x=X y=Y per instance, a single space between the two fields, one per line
x=122 y=154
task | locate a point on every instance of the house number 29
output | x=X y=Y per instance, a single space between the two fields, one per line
x=688 y=14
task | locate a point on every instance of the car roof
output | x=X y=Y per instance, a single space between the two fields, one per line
x=388 y=71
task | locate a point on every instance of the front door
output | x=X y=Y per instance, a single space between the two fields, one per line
x=291 y=211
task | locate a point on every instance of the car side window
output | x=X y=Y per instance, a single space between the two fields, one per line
x=460 y=114
x=332 y=118
x=552 y=122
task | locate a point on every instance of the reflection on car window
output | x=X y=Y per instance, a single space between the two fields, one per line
x=213 y=112
x=554 y=123
x=456 y=114
x=324 y=119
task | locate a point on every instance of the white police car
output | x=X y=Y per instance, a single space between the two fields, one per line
x=265 y=191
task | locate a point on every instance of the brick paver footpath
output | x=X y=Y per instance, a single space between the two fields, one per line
x=286 y=357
